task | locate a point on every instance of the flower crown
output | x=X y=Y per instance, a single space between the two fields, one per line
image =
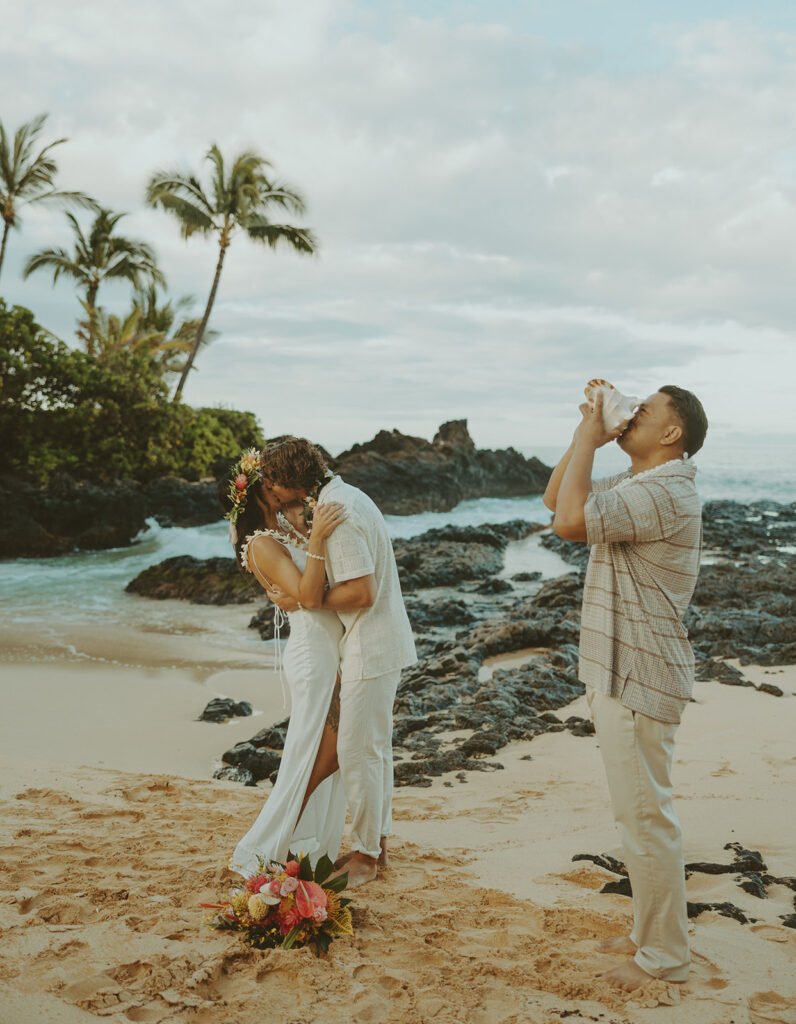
x=245 y=472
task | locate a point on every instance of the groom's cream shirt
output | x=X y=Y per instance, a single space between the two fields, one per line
x=377 y=640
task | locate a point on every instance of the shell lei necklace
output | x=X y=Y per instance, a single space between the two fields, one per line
x=283 y=538
x=649 y=472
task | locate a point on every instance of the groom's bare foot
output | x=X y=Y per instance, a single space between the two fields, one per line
x=622 y=944
x=360 y=868
x=342 y=861
x=629 y=976
x=383 y=861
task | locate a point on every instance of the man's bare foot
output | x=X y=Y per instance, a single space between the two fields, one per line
x=360 y=868
x=341 y=861
x=622 y=944
x=629 y=976
x=382 y=862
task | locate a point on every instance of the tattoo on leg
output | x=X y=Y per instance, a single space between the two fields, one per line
x=333 y=718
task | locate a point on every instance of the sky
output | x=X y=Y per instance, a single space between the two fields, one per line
x=510 y=200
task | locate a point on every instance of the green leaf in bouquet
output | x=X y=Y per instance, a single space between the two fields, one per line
x=322 y=942
x=305 y=869
x=290 y=938
x=337 y=884
x=323 y=869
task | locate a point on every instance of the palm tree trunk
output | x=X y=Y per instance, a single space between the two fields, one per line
x=6 y=228
x=200 y=330
x=91 y=303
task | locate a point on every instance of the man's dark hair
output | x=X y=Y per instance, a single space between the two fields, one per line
x=692 y=416
x=293 y=462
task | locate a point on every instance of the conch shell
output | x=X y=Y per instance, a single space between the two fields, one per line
x=617 y=408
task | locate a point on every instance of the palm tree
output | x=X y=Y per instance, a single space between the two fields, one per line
x=238 y=201
x=28 y=178
x=147 y=327
x=175 y=337
x=99 y=256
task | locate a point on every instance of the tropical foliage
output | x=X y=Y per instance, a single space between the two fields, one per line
x=102 y=418
x=27 y=176
x=240 y=200
x=98 y=256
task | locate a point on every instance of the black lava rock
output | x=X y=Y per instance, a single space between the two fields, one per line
x=236 y=774
x=258 y=760
x=219 y=709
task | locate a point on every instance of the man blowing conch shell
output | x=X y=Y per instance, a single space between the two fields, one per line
x=644 y=528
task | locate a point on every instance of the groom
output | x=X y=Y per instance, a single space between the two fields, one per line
x=644 y=528
x=376 y=645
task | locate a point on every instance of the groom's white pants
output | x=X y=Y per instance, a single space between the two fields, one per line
x=637 y=753
x=364 y=752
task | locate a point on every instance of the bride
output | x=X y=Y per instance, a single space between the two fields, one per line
x=306 y=809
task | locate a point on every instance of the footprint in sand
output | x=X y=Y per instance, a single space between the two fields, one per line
x=772 y=932
x=715 y=980
x=771 y=1008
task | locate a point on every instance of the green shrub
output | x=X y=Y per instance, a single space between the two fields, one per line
x=107 y=418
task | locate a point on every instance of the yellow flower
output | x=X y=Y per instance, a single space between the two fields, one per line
x=240 y=903
x=333 y=907
x=258 y=908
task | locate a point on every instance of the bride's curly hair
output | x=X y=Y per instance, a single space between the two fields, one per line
x=293 y=462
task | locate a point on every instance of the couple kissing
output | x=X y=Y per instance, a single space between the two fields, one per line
x=320 y=549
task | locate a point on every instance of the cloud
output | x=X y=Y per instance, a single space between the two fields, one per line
x=502 y=214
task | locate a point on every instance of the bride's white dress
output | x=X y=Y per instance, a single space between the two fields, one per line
x=311 y=663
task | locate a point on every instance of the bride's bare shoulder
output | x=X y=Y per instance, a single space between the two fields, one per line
x=262 y=546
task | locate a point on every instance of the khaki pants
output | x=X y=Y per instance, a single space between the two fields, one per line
x=637 y=753
x=364 y=751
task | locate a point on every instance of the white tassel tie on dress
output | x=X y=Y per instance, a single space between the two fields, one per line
x=280 y=620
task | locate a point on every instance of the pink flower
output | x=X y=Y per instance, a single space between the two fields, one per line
x=276 y=887
x=241 y=481
x=310 y=898
x=319 y=914
x=256 y=882
x=290 y=920
x=288 y=886
x=292 y=868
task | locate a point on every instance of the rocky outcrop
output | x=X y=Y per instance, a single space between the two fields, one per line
x=402 y=474
x=405 y=474
x=454 y=554
x=67 y=514
x=200 y=580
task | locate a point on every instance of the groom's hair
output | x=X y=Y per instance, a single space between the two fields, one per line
x=293 y=462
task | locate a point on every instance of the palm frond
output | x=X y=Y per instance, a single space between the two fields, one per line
x=174 y=184
x=282 y=196
x=78 y=198
x=191 y=217
x=57 y=260
x=301 y=239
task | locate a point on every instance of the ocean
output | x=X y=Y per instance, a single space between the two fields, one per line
x=86 y=589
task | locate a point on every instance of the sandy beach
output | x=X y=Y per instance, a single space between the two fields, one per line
x=113 y=833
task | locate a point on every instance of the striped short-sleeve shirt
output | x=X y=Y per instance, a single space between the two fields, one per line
x=645 y=534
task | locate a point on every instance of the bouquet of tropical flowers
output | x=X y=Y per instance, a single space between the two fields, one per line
x=286 y=905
